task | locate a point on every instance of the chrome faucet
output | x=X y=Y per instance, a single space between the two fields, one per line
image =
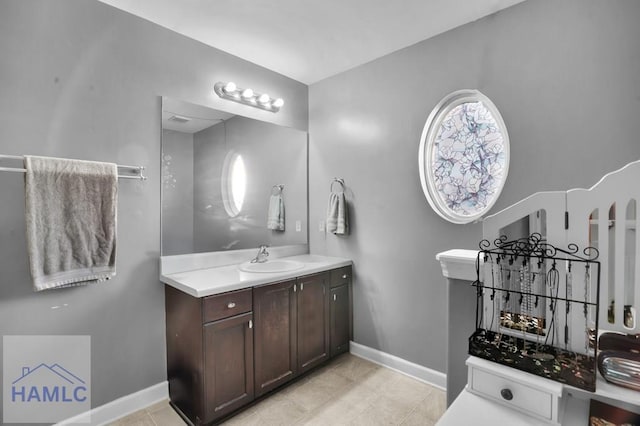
x=261 y=257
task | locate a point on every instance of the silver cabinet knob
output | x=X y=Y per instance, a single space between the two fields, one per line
x=344 y=276
x=231 y=305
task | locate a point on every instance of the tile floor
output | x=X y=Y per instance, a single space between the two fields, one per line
x=347 y=391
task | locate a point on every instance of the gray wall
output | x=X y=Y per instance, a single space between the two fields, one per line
x=566 y=77
x=272 y=155
x=210 y=216
x=177 y=192
x=80 y=79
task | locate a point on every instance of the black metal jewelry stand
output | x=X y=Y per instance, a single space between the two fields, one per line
x=532 y=284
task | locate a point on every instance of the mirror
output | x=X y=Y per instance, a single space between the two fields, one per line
x=536 y=222
x=222 y=174
x=525 y=314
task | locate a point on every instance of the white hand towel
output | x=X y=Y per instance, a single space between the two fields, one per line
x=275 y=218
x=337 y=214
x=70 y=213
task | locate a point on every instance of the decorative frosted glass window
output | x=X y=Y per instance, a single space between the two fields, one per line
x=464 y=156
x=234 y=183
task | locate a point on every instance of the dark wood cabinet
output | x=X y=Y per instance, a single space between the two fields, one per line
x=313 y=321
x=275 y=335
x=341 y=324
x=209 y=363
x=227 y=349
x=292 y=329
x=228 y=364
x=339 y=329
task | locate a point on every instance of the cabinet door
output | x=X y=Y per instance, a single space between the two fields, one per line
x=228 y=365
x=313 y=321
x=340 y=319
x=274 y=308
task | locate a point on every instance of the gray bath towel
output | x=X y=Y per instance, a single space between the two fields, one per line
x=70 y=217
x=337 y=214
x=275 y=215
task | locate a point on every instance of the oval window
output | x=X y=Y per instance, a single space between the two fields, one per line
x=234 y=183
x=464 y=156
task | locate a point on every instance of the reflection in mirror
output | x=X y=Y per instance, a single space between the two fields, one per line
x=534 y=223
x=234 y=183
x=525 y=313
x=630 y=265
x=594 y=241
x=218 y=171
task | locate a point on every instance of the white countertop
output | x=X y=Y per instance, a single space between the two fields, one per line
x=209 y=281
x=458 y=264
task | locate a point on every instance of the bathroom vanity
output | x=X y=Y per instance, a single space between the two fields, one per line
x=233 y=336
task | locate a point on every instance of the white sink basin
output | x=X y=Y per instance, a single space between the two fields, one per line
x=275 y=265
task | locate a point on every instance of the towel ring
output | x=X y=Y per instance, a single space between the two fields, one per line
x=278 y=189
x=340 y=181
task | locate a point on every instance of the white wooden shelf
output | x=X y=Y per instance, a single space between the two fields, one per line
x=606 y=390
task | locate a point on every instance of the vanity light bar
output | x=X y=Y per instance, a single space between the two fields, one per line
x=247 y=96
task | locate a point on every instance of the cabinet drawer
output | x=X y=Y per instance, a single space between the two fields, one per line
x=526 y=398
x=520 y=391
x=226 y=305
x=340 y=276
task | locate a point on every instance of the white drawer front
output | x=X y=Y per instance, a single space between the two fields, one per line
x=530 y=400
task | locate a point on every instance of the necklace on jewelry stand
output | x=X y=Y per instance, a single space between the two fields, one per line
x=524 y=302
x=568 y=296
x=587 y=281
x=508 y=311
x=493 y=297
x=535 y=318
x=547 y=283
x=501 y=302
x=554 y=278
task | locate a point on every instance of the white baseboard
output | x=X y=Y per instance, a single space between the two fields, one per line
x=121 y=407
x=418 y=372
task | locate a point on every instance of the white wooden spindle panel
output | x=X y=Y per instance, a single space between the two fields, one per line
x=617 y=187
x=606 y=295
x=612 y=188
x=619 y=279
x=636 y=300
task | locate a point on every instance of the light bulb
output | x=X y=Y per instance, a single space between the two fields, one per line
x=230 y=87
x=278 y=103
x=247 y=93
x=263 y=99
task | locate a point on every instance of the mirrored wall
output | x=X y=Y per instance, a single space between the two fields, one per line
x=220 y=173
